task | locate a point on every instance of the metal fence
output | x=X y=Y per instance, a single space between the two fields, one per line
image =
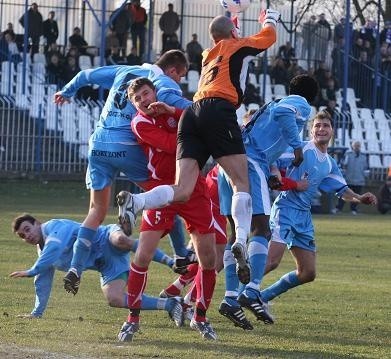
x=40 y=138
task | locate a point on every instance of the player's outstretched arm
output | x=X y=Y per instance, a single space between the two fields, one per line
x=19 y=274
x=59 y=99
x=367 y=198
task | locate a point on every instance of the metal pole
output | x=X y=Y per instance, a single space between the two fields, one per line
x=66 y=25
x=181 y=32
x=346 y=69
x=291 y=27
x=102 y=42
x=25 y=39
x=150 y=31
x=376 y=77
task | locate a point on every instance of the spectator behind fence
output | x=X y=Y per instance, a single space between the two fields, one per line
x=322 y=38
x=137 y=29
x=34 y=26
x=339 y=30
x=55 y=71
x=111 y=42
x=71 y=69
x=355 y=165
x=194 y=53
x=172 y=43
x=54 y=49
x=9 y=30
x=385 y=34
x=279 y=73
x=3 y=49
x=384 y=197
x=367 y=32
x=13 y=52
x=169 y=24
x=78 y=42
x=308 y=34
x=287 y=53
x=121 y=22
x=50 y=30
x=133 y=58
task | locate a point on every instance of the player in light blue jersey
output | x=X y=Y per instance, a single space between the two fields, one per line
x=291 y=220
x=113 y=147
x=109 y=256
x=268 y=134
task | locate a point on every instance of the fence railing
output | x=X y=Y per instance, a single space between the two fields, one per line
x=41 y=138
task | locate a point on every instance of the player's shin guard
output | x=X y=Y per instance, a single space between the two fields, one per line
x=257 y=251
x=241 y=210
x=160 y=196
x=205 y=281
x=286 y=282
x=82 y=249
x=231 y=278
x=137 y=281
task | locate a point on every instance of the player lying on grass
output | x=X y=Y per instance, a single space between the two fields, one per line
x=291 y=220
x=109 y=256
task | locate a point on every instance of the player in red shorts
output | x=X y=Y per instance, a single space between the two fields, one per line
x=156 y=134
x=220 y=227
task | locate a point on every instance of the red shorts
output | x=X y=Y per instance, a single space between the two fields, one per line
x=196 y=212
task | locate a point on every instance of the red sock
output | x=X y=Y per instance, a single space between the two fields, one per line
x=136 y=284
x=205 y=282
x=175 y=288
x=187 y=278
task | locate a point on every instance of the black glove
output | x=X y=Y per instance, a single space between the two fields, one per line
x=274 y=182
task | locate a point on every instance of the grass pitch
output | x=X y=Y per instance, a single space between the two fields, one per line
x=345 y=313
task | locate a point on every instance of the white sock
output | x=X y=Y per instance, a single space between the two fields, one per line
x=241 y=210
x=160 y=196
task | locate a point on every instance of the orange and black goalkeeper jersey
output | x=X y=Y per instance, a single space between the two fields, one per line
x=225 y=66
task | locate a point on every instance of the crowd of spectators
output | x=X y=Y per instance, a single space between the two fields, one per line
x=130 y=19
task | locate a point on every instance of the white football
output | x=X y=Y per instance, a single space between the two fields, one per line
x=235 y=6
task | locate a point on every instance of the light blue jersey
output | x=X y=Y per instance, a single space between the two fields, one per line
x=321 y=171
x=275 y=127
x=59 y=236
x=290 y=219
x=113 y=146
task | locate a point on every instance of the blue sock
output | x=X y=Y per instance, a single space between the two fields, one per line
x=162 y=257
x=231 y=278
x=82 y=248
x=159 y=256
x=286 y=282
x=257 y=252
x=152 y=303
x=177 y=238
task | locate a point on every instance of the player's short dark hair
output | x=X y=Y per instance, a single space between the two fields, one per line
x=173 y=58
x=304 y=85
x=323 y=115
x=17 y=221
x=137 y=84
